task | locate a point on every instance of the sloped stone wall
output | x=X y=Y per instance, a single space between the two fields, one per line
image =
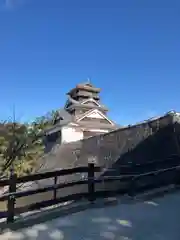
x=143 y=142
x=135 y=144
x=140 y=142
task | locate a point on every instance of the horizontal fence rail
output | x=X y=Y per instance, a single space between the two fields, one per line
x=129 y=184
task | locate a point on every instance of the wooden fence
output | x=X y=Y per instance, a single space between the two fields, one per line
x=127 y=183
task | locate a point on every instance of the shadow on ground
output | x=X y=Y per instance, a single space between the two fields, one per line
x=157 y=219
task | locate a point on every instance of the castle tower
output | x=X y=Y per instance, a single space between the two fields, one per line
x=83 y=98
x=82 y=116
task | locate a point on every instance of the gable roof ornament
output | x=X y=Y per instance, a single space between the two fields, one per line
x=86 y=114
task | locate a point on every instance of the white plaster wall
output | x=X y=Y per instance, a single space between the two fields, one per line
x=98 y=130
x=71 y=134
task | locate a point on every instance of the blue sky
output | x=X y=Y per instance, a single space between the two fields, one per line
x=130 y=48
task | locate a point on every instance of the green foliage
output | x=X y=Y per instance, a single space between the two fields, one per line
x=21 y=145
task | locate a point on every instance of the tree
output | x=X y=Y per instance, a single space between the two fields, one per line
x=21 y=145
x=18 y=148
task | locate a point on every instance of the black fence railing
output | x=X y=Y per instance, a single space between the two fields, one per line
x=130 y=184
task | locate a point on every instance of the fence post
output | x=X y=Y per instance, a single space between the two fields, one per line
x=132 y=187
x=55 y=190
x=11 y=199
x=91 y=184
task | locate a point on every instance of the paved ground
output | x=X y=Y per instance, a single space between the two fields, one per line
x=154 y=220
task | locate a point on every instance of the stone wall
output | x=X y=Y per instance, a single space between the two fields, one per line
x=134 y=144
